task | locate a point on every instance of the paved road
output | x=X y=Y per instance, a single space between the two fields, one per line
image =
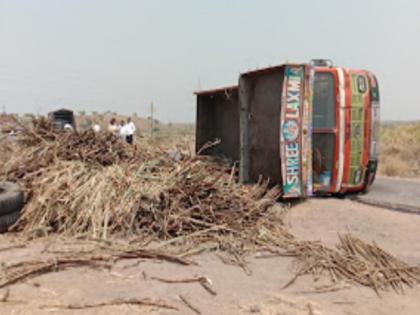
x=394 y=193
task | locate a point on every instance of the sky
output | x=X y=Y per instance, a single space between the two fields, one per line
x=121 y=55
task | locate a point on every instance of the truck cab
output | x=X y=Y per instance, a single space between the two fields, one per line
x=345 y=124
x=62 y=118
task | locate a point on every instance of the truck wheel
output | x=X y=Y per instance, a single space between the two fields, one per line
x=340 y=195
x=8 y=220
x=11 y=202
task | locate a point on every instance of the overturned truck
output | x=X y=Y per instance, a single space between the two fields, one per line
x=309 y=128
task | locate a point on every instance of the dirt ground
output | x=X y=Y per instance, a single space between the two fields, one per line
x=237 y=292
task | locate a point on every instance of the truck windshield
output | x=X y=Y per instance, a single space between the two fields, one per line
x=324 y=138
x=324 y=105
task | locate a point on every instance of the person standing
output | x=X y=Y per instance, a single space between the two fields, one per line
x=130 y=131
x=96 y=127
x=120 y=128
x=112 y=127
x=123 y=130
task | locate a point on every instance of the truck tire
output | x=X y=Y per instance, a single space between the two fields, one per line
x=7 y=220
x=11 y=202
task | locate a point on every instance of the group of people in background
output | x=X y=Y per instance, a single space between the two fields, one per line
x=124 y=129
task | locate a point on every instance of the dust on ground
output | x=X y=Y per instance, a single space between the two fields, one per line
x=237 y=292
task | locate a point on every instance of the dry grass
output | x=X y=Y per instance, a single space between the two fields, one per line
x=400 y=150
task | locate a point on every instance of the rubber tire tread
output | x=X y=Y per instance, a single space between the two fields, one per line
x=11 y=198
x=8 y=220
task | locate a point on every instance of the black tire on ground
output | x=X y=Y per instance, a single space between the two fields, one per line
x=8 y=220
x=11 y=198
x=340 y=195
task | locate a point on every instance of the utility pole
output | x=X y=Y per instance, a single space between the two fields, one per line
x=152 y=110
x=4 y=109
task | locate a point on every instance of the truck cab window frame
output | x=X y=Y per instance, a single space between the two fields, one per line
x=324 y=130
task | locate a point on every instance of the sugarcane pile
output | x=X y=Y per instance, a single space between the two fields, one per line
x=44 y=144
x=93 y=185
x=354 y=261
x=96 y=185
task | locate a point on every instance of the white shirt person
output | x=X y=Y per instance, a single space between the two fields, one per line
x=129 y=130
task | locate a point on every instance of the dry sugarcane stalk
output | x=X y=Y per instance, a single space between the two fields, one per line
x=205 y=282
x=189 y=305
x=133 y=301
x=23 y=270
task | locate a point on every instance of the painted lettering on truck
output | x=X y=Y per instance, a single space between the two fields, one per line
x=290 y=131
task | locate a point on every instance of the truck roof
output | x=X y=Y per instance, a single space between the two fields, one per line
x=226 y=89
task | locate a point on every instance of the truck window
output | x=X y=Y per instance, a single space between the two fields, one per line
x=323 y=158
x=324 y=124
x=324 y=101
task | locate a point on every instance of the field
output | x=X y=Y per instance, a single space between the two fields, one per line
x=400 y=150
x=154 y=224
